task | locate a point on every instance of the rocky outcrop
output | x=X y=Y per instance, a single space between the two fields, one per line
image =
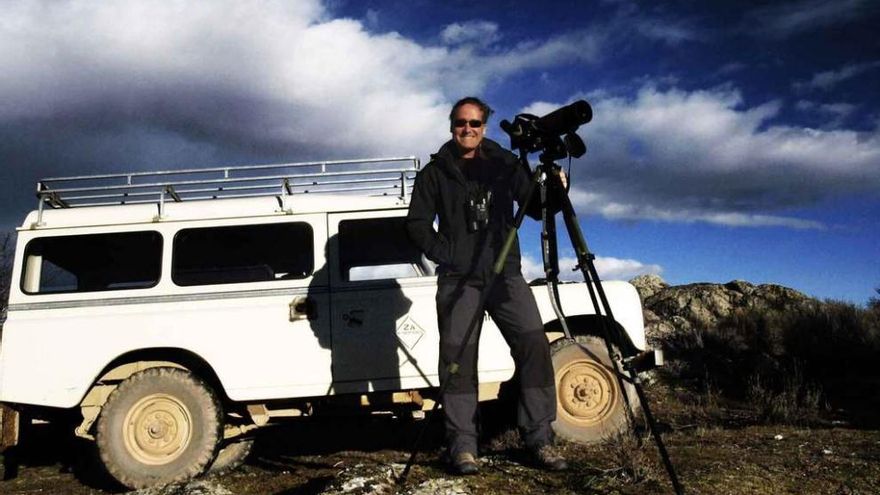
x=648 y=285
x=669 y=309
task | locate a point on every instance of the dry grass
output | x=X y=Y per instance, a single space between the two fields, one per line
x=632 y=457
x=796 y=402
x=791 y=367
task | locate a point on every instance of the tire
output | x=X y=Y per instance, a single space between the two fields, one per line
x=590 y=405
x=159 y=426
x=231 y=456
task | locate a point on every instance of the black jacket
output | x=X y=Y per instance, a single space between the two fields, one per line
x=441 y=189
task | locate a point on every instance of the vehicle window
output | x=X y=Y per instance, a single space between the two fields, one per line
x=92 y=262
x=246 y=253
x=378 y=248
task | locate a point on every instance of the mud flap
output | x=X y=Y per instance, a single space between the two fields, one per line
x=9 y=427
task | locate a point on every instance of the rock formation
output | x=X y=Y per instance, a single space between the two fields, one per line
x=669 y=309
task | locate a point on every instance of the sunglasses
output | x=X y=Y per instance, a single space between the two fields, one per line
x=474 y=123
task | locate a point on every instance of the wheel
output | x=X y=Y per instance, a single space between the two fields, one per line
x=231 y=456
x=159 y=426
x=589 y=402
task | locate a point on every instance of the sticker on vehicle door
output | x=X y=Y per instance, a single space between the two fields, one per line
x=409 y=333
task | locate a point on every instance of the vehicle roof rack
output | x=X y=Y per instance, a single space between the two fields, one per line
x=370 y=176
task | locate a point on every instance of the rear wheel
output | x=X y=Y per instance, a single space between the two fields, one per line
x=160 y=425
x=590 y=404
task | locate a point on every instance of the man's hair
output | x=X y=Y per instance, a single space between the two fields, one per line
x=471 y=100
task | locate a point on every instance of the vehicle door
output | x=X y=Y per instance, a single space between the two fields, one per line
x=384 y=322
x=260 y=303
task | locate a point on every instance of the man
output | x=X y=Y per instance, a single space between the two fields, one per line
x=470 y=185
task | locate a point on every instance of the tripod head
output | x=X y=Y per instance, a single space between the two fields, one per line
x=529 y=133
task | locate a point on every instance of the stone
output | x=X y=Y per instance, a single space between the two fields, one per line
x=682 y=308
x=648 y=285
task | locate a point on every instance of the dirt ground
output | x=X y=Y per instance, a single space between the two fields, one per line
x=363 y=455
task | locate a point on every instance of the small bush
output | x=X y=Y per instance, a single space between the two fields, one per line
x=787 y=364
x=631 y=456
x=796 y=401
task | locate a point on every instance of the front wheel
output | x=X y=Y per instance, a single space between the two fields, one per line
x=590 y=404
x=159 y=426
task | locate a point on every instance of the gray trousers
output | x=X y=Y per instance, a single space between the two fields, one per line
x=512 y=306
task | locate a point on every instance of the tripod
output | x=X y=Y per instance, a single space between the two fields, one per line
x=632 y=360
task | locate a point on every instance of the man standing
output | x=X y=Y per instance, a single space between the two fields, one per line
x=470 y=185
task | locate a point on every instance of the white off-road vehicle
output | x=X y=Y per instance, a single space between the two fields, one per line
x=176 y=311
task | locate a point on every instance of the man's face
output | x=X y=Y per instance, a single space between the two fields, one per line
x=467 y=137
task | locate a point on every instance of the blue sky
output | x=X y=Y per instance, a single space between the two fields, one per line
x=730 y=140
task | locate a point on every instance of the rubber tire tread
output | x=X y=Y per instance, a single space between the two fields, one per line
x=561 y=351
x=191 y=463
x=231 y=456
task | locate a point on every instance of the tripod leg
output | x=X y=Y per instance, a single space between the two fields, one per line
x=661 y=447
x=550 y=253
x=591 y=276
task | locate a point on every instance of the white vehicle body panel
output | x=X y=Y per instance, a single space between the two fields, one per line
x=397 y=346
x=367 y=335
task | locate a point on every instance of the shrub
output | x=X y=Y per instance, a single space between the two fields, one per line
x=631 y=456
x=795 y=401
x=787 y=364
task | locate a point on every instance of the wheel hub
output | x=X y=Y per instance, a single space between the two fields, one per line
x=157 y=429
x=586 y=392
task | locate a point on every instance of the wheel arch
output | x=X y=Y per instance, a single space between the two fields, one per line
x=592 y=325
x=129 y=363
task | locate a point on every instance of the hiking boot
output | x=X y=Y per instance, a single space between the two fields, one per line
x=465 y=464
x=546 y=457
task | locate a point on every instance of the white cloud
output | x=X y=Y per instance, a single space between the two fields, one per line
x=833 y=114
x=704 y=156
x=259 y=75
x=842 y=109
x=781 y=20
x=110 y=84
x=600 y=203
x=263 y=73
x=828 y=79
x=619 y=269
x=662 y=29
x=90 y=87
x=607 y=267
x=372 y=18
x=481 y=33
x=570 y=47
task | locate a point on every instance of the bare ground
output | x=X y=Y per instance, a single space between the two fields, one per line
x=716 y=450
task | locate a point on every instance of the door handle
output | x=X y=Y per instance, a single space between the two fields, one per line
x=303 y=308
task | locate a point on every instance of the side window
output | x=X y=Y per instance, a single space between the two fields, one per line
x=92 y=262
x=245 y=253
x=378 y=248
